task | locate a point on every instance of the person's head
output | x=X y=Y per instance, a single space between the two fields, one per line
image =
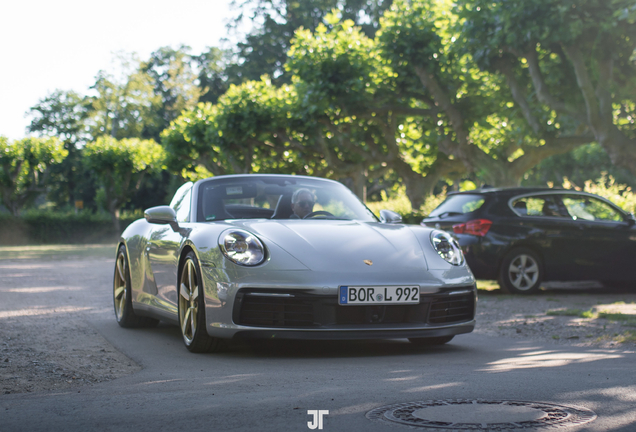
x=303 y=201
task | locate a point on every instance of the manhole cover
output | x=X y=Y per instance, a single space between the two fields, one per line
x=482 y=415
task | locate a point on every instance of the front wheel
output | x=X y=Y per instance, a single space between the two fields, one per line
x=521 y=272
x=431 y=341
x=192 y=308
x=122 y=295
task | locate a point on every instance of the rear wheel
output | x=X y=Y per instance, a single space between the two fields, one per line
x=122 y=295
x=431 y=341
x=192 y=308
x=521 y=272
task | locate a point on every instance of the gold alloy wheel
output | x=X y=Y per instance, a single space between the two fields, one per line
x=188 y=301
x=119 y=286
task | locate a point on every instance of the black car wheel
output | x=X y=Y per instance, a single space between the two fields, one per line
x=521 y=272
x=192 y=308
x=440 y=340
x=122 y=295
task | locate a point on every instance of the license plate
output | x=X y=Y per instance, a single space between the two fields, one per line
x=379 y=295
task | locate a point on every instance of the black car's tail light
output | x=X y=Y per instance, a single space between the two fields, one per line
x=477 y=227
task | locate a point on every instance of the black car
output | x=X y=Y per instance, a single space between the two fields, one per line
x=524 y=236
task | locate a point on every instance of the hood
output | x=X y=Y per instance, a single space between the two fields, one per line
x=343 y=246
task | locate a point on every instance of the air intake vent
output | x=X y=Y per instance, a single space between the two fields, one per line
x=452 y=309
x=271 y=310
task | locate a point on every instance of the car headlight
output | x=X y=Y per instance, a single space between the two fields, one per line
x=447 y=247
x=242 y=247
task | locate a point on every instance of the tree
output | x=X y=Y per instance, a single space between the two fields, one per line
x=212 y=76
x=174 y=80
x=63 y=114
x=572 y=63
x=119 y=167
x=264 y=50
x=480 y=118
x=124 y=106
x=24 y=166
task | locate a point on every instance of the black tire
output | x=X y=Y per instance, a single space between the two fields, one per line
x=431 y=341
x=191 y=308
x=122 y=295
x=521 y=272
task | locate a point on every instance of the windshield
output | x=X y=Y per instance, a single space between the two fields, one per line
x=278 y=197
x=458 y=204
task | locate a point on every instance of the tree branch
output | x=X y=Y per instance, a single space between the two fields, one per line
x=518 y=95
x=553 y=146
x=429 y=81
x=587 y=89
x=541 y=89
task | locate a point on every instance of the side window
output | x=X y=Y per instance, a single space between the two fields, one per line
x=459 y=204
x=591 y=209
x=546 y=205
x=181 y=202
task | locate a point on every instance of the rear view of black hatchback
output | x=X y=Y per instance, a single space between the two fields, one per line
x=525 y=236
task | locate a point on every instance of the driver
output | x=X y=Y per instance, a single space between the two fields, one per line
x=303 y=201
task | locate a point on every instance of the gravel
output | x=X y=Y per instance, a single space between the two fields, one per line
x=602 y=318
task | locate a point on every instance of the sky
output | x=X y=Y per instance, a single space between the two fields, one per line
x=62 y=44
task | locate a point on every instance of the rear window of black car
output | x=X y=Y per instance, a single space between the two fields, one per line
x=458 y=204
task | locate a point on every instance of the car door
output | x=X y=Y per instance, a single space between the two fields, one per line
x=549 y=229
x=163 y=249
x=608 y=238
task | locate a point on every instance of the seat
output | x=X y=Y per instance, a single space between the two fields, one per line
x=521 y=208
x=214 y=209
x=550 y=209
x=283 y=208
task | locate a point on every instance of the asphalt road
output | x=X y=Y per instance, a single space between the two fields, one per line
x=271 y=386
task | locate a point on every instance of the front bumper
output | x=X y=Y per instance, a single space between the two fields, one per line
x=299 y=314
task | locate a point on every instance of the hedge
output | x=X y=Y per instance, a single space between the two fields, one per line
x=48 y=227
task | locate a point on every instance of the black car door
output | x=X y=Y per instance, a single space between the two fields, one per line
x=607 y=238
x=549 y=229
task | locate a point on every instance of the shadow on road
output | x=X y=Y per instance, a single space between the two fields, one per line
x=304 y=349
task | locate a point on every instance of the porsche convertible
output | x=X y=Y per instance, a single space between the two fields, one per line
x=285 y=256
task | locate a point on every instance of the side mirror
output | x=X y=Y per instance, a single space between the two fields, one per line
x=390 y=217
x=162 y=215
x=630 y=219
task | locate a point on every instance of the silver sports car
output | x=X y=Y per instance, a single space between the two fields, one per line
x=280 y=256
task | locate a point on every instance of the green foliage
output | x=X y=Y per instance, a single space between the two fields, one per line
x=243 y=133
x=119 y=167
x=124 y=105
x=400 y=203
x=410 y=35
x=365 y=91
x=64 y=115
x=24 y=166
x=47 y=227
x=565 y=312
x=264 y=50
x=172 y=75
x=338 y=69
x=606 y=186
x=587 y=162
x=61 y=114
x=212 y=76
x=490 y=25
x=572 y=61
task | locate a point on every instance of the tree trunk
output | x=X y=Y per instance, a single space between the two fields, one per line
x=359 y=179
x=114 y=214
